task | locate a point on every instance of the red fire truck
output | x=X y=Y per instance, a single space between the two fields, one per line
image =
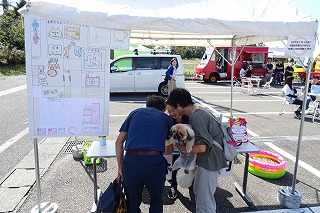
x=213 y=67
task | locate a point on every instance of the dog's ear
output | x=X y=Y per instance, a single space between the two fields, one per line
x=190 y=133
x=189 y=138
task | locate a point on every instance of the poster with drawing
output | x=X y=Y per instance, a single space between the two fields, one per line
x=68 y=77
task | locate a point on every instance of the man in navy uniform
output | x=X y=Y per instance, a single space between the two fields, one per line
x=144 y=131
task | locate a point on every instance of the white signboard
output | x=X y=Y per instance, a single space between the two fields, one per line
x=68 y=77
x=300 y=46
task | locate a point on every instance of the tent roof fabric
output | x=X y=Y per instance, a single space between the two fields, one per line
x=185 y=22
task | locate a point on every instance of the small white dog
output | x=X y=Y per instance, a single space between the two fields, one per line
x=182 y=134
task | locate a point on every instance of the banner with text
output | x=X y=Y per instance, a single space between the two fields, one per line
x=300 y=46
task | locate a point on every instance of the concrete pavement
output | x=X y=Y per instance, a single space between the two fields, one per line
x=68 y=182
x=17 y=184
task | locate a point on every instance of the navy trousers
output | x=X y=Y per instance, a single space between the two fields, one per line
x=140 y=171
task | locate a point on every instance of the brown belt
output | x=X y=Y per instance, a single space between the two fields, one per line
x=143 y=153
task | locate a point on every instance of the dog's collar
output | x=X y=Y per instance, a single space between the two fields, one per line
x=181 y=142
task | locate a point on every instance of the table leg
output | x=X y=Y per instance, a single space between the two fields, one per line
x=316 y=110
x=95 y=186
x=243 y=190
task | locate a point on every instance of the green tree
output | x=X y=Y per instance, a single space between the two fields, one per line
x=5 y=4
x=11 y=30
x=11 y=34
x=189 y=52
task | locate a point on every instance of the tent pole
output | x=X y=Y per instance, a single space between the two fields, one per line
x=233 y=56
x=290 y=197
x=36 y=160
x=301 y=126
x=45 y=206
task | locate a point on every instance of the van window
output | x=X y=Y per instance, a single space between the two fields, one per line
x=165 y=63
x=146 y=63
x=122 y=65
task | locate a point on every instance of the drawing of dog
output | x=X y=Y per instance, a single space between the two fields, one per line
x=183 y=135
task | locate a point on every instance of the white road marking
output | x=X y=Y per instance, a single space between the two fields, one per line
x=257 y=113
x=14 y=139
x=12 y=90
x=252 y=133
x=205 y=105
x=226 y=92
x=245 y=100
x=284 y=138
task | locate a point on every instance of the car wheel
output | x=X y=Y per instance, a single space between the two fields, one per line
x=213 y=78
x=163 y=89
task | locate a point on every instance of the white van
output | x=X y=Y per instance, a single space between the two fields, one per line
x=143 y=73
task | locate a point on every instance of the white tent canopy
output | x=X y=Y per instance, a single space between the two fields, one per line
x=185 y=22
x=276 y=52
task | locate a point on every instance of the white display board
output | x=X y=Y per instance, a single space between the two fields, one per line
x=68 y=77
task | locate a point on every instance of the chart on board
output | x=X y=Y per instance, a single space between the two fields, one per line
x=68 y=76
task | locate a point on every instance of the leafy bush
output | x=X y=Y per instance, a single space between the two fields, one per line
x=189 y=73
x=13 y=56
x=190 y=67
x=6 y=70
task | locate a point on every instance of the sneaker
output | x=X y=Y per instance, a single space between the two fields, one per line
x=172 y=194
x=297 y=115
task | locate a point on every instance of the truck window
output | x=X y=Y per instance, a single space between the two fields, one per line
x=208 y=55
x=257 y=60
x=213 y=56
x=257 y=57
x=122 y=65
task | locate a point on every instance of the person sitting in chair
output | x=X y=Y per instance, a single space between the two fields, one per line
x=243 y=71
x=314 y=81
x=291 y=96
x=249 y=73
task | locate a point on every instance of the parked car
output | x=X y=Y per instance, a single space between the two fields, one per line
x=143 y=73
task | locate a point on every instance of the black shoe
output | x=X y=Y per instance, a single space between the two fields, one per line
x=172 y=194
x=297 y=114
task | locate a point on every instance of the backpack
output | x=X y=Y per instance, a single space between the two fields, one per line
x=229 y=150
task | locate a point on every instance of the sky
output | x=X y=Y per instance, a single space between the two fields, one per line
x=312 y=7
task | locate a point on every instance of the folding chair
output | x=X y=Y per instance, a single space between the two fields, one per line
x=316 y=110
x=284 y=104
x=246 y=86
x=236 y=84
x=267 y=85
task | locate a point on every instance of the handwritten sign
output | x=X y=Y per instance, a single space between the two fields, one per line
x=67 y=77
x=300 y=46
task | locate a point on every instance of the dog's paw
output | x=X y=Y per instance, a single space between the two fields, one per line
x=169 y=141
x=189 y=147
